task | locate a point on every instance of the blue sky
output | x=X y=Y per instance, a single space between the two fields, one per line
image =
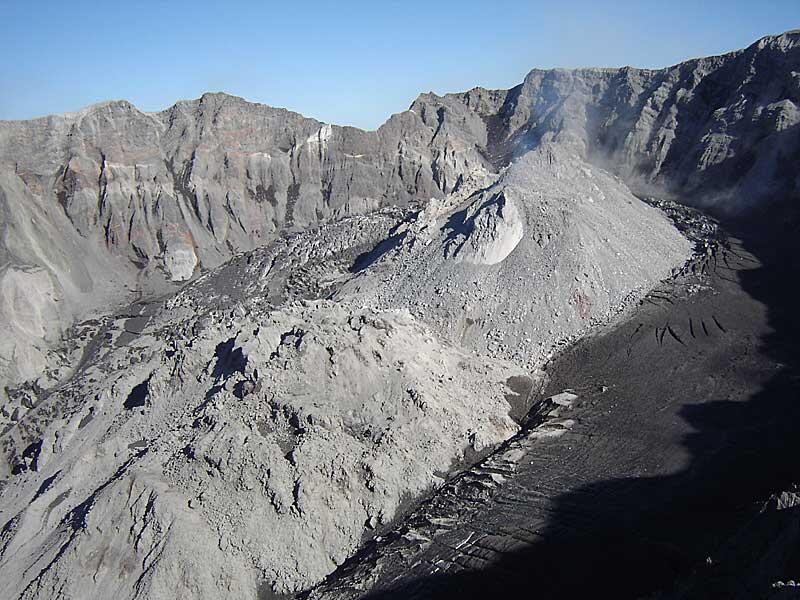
x=341 y=62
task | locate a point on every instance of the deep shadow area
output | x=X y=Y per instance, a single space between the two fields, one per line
x=230 y=359
x=709 y=415
x=366 y=259
x=138 y=395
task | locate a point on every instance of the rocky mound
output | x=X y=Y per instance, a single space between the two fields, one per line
x=270 y=438
x=552 y=248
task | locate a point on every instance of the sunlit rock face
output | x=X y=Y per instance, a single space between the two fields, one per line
x=719 y=131
x=491 y=230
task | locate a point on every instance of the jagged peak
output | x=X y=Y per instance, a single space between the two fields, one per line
x=105 y=105
x=214 y=100
x=783 y=41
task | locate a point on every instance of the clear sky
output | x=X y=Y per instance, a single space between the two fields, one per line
x=341 y=62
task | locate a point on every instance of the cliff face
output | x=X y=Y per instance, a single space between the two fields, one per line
x=205 y=179
x=718 y=132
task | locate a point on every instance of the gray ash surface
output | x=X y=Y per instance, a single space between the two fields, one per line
x=683 y=425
